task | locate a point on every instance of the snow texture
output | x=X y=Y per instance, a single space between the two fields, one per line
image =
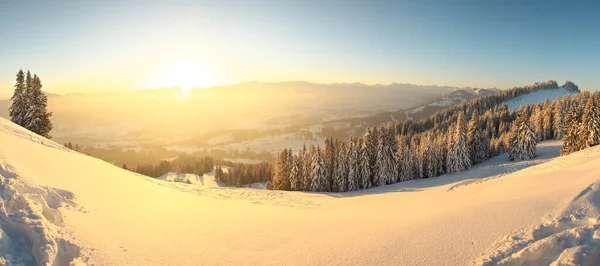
x=538 y=97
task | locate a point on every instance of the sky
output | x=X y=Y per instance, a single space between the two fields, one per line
x=108 y=46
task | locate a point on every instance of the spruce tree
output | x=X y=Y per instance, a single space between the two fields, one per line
x=295 y=179
x=572 y=139
x=476 y=141
x=18 y=108
x=589 y=129
x=353 y=169
x=364 y=166
x=523 y=139
x=558 y=122
x=548 y=123
x=37 y=118
x=307 y=172
x=458 y=153
x=318 y=172
x=341 y=170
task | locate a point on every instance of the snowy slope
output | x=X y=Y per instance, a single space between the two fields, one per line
x=71 y=206
x=537 y=97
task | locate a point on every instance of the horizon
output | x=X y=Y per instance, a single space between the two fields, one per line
x=116 y=46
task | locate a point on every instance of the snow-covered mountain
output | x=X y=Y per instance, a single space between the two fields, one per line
x=60 y=207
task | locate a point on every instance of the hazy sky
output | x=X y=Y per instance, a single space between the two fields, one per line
x=90 y=46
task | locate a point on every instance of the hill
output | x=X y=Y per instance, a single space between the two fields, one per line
x=59 y=206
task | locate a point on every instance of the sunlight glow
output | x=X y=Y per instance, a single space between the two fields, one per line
x=184 y=74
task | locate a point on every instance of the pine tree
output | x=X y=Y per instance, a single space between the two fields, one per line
x=353 y=169
x=476 y=141
x=281 y=179
x=318 y=172
x=18 y=108
x=386 y=170
x=458 y=153
x=364 y=166
x=371 y=142
x=572 y=139
x=307 y=168
x=329 y=162
x=523 y=139
x=548 y=118
x=295 y=179
x=559 y=119
x=589 y=129
x=37 y=118
x=341 y=170
x=401 y=158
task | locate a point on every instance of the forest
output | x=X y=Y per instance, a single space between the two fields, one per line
x=449 y=141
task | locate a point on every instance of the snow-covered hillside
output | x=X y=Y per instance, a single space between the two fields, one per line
x=59 y=207
x=538 y=97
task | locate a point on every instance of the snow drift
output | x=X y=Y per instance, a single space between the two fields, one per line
x=59 y=207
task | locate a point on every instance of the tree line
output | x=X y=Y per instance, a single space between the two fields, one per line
x=449 y=141
x=241 y=174
x=29 y=105
x=181 y=164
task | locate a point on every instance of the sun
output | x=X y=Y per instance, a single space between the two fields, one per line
x=184 y=74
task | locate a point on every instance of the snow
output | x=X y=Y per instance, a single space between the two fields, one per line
x=537 y=97
x=71 y=207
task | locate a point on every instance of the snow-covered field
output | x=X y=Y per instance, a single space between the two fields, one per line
x=58 y=206
x=537 y=97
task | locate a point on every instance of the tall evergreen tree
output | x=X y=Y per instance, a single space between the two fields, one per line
x=341 y=170
x=589 y=129
x=364 y=166
x=458 y=153
x=18 y=108
x=548 y=123
x=318 y=172
x=572 y=137
x=559 y=118
x=37 y=118
x=353 y=169
x=523 y=139
x=476 y=141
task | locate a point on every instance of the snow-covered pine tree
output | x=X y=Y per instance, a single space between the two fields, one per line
x=572 y=139
x=307 y=172
x=558 y=122
x=37 y=118
x=318 y=172
x=364 y=166
x=294 y=172
x=280 y=178
x=392 y=152
x=458 y=152
x=523 y=138
x=476 y=141
x=400 y=157
x=547 y=117
x=18 y=108
x=442 y=152
x=589 y=129
x=408 y=162
x=329 y=161
x=537 y=122
x=353 y=169
x=380 y=162
x=371 y=139
x=341 y=169
x=431 y=157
